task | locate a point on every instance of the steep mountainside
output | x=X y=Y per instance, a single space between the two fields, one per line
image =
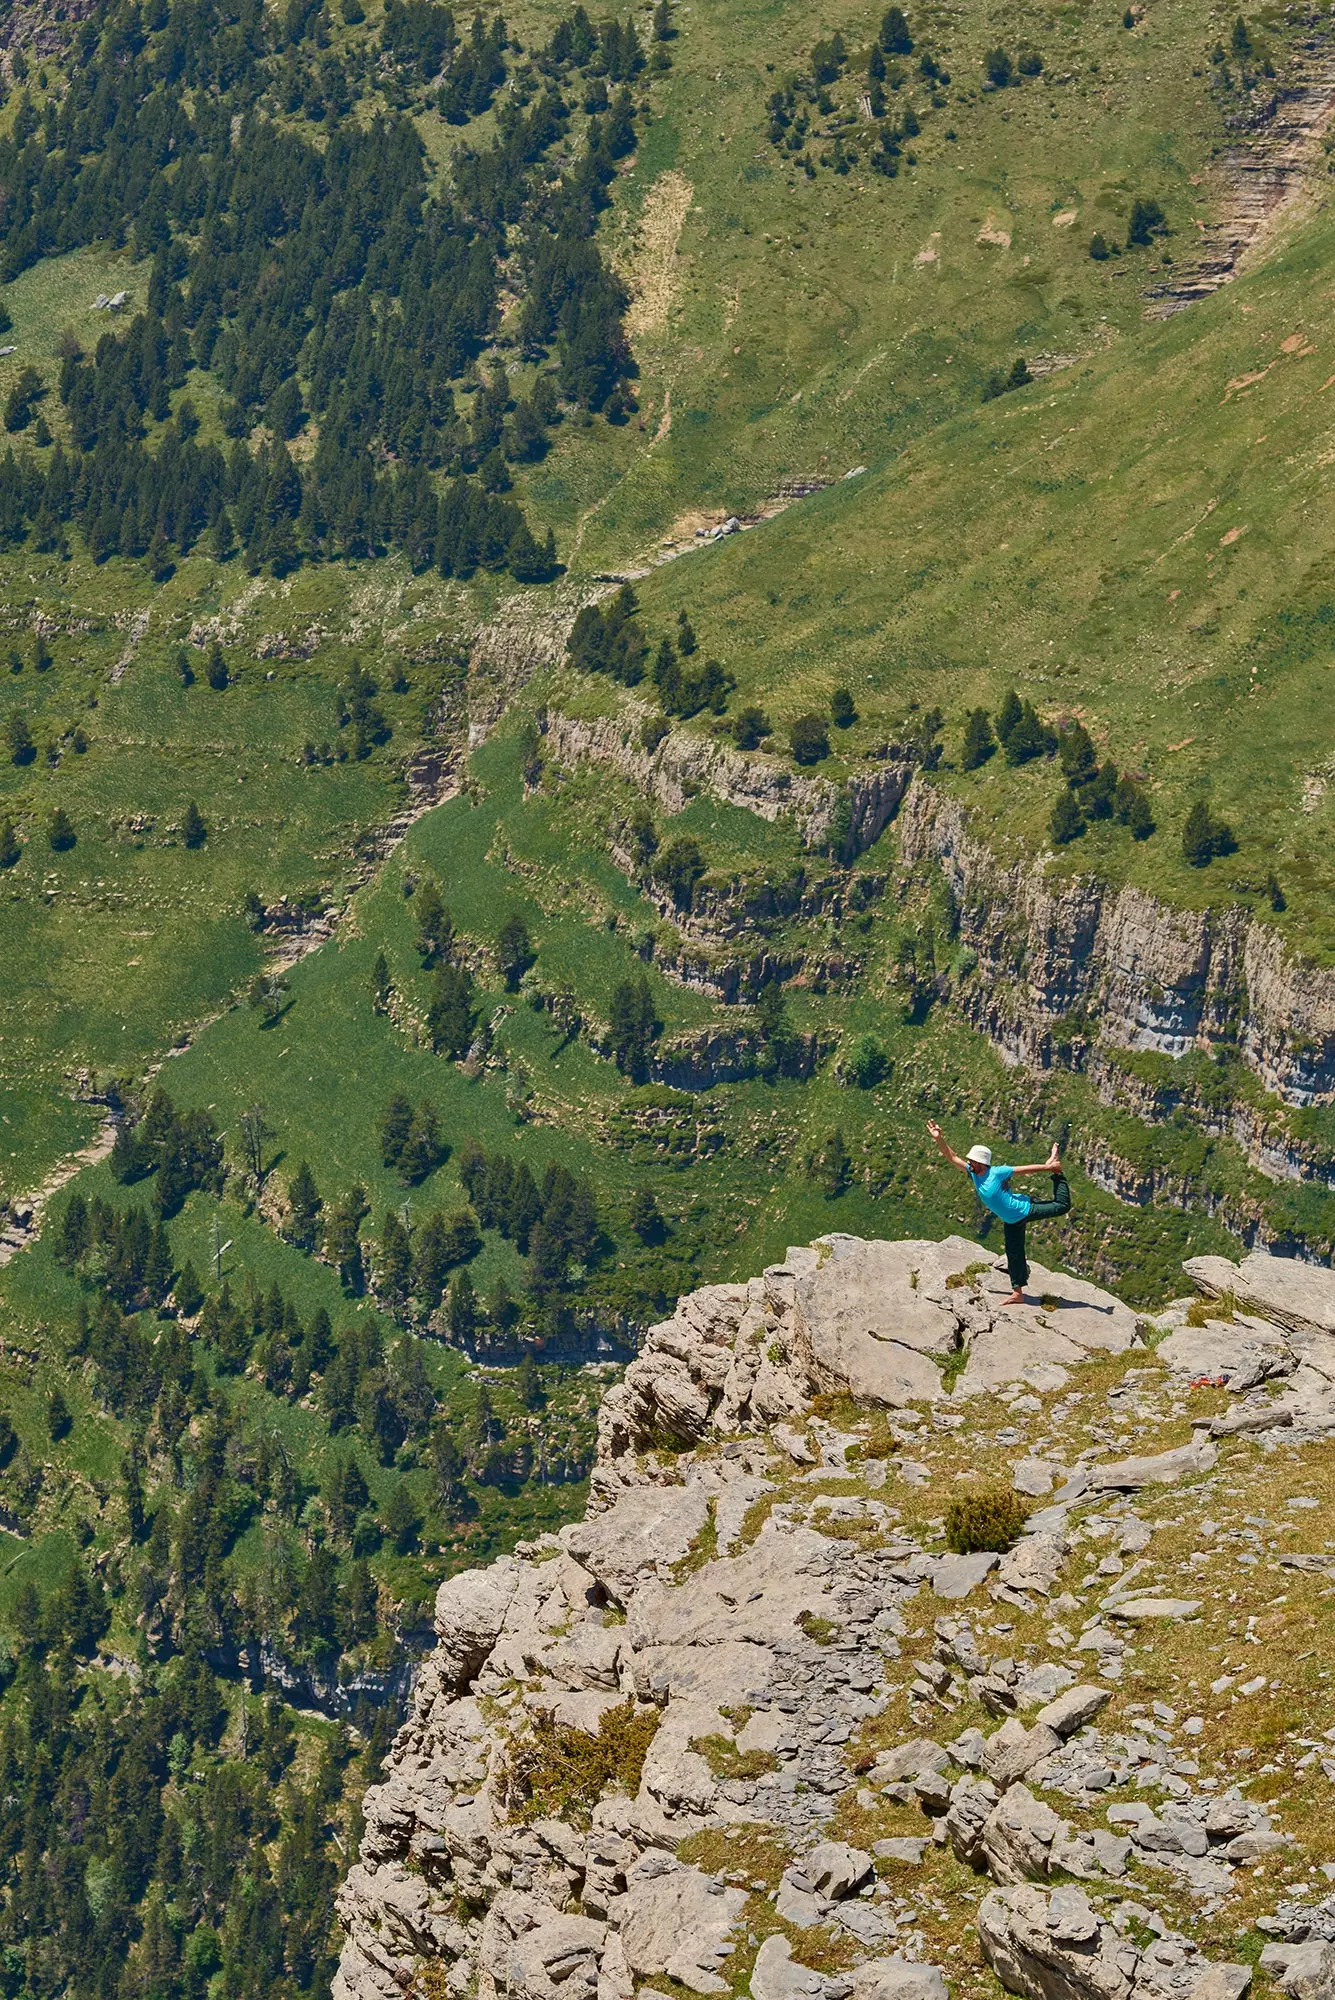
x=749 y=1728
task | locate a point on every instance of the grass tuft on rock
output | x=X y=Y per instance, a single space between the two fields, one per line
x=561 y=1773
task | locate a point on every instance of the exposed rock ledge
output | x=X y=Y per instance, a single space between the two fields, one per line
x=686 y=762
x=1144 y=975
x=708 y=1601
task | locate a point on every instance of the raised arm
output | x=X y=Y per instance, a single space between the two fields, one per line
x=943 y=1146
x=1052 y=1165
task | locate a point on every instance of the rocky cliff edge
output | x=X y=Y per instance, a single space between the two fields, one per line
x=749 y=1727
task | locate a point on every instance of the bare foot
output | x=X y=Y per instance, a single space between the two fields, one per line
x=1054 y=1161
x=1015 y=1299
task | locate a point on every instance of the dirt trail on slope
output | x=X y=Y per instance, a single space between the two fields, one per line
x=1258 y=181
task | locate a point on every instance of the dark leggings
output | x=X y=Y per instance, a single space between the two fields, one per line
x=1039 y=1211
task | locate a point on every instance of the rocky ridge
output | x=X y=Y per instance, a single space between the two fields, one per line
x=750 y=1726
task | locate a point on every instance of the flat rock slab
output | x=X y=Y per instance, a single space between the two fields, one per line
x=1081 y=1312
x=1163 y=1468
x=956 y=1576
x=1144 y=1610
x=1243 y=1355
x=1019 y=1347
x=678 y=1920
x=1298 y=1296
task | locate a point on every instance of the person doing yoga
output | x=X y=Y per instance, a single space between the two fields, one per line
x=992 y=1185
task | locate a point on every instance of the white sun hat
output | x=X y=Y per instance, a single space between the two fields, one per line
x=979 y=1156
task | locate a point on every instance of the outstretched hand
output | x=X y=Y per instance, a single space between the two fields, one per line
x=934 y=1128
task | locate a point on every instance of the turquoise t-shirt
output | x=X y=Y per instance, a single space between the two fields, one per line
x=1004 y=1203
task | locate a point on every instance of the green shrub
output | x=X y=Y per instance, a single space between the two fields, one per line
x=561 y=1773
x=989 y=1518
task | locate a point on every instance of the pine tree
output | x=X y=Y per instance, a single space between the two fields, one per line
x=1067 y=821
x=843 y=713
x=514 y=951
x=1132 y=809
x=381 y=989
x=60 y=832
x=187 y=1291
x=59 y=1422
x=1007 y=716
x=10 y=848
x=393 y=1268
x=528 y=1382
x=646 y=1218
x=193 y=830
x=1078 y=759
x=894 y=37
x=435 y=927
x=833 y=1165
x=461 y=1308
x=1204 y=836
x=1028 y=737
x=304 y=1206
x=979 y=742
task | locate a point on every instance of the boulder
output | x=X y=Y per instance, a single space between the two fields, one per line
x=897 y=1979
x=1300 y=1297
x=1070 y=1711
x=955 y=1576
x=869 y=1318
x=470 y=1611
x=648 y=1530
x=1163 y=1468
x=678 y=1920
x=1304 y=1971
x=1142 y=1610
x=1053 y=1947
x=907 y=1760
x=777 y=1975
x=835 y=1869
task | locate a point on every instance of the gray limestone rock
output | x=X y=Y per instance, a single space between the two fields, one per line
x=835 y=1869
x=1163 y=1468
x=955 y=1576
x=1051 y=1950
x=1298 y=1296
x=1243 y=1355
x=1304 y=1971
x=1034 y=1564
x=904 y=1847
x=1013 y=1750
x=1070 y=1711
x=777 y=1975
x=470 y=1611
x=908 y=1760
x=897 y=1979
x=678 y=1920
x=643 y=1534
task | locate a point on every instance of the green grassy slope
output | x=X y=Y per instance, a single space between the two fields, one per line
x=1140 y=541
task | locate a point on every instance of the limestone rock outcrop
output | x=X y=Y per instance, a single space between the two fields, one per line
x=621 y=1722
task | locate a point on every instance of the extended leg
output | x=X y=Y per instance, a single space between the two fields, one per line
x=1043 y=1211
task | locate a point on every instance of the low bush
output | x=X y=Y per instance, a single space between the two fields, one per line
x=989 y=1518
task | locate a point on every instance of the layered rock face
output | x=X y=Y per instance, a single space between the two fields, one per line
x=623 y=1723
x=1146 y=976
